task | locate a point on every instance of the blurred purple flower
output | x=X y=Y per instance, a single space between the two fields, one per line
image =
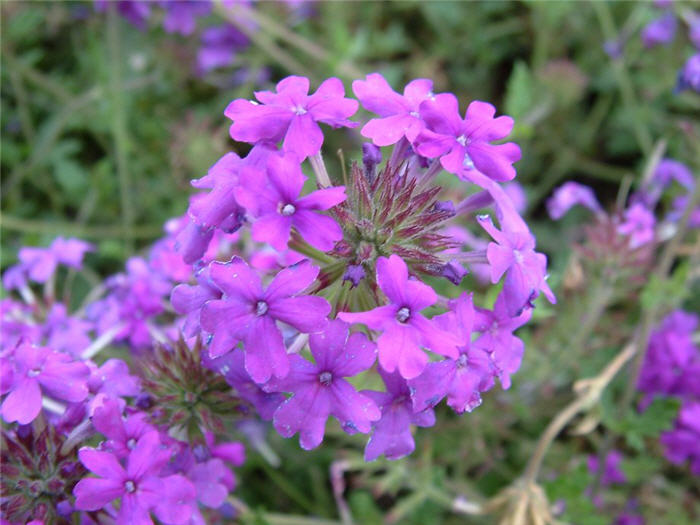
x=33 y=370
x=569 y=195
x=660 y=30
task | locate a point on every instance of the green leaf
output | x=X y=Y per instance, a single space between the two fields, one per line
x=635 y=427
x=666 y=295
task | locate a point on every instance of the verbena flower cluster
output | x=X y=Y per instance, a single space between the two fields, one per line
x=298 y=301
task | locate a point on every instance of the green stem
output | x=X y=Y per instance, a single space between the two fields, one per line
x=118 y=126
x=629 y=98
x=9 y=222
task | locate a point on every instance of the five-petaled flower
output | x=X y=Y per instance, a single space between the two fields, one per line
x=404 y=329
x=247 y=313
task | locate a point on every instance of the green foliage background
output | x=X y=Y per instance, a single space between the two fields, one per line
x=104 y=125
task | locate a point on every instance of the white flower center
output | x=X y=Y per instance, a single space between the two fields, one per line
x=298 y=110
x=34 y=372
x=403 y=314
x=325 y=378
x=261 y=308
x=129 y=486
x=288 y=209
x=462 y=361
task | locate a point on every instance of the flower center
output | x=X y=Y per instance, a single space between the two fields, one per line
x=468 y=162
x=288 y=209
x=129 y=486
x=325 y=378
x=131 y=443
x=463 y=140
x=299 y=110
x=403 y=314
x=34 y=372
x=462 y=361
x=261 y=308
x=518 y=256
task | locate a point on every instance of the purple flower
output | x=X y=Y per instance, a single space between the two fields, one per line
x=404 y=329
x=181 y=15
x=135 y=11
x=66 y=333
x=689 y=76
x=465 y=145
x=292 y=114
x=497 y=327
x=275 y=202
x=399 y=113
x=134 y=299
x=16 y=325
x=461 y=379
x=219 y=46
x=392 y=433
x=638 y=225
x=35 y=370
x=41 y=263
x=672 y=360
x=319 y=390
x=669 y=170
x=569 y=195
x=232 y=367
x=513 y=254
x=219 y=206
x=694 y=30
x=612 y=473
x=683 y=442
x=122 y=433
x=188 y=300
x=248 y=313
x=113 y=379
x=660 y=30
x=171 y=498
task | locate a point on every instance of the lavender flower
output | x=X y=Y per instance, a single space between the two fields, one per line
x=569 y=195
x=683 y=442
x=660 y=30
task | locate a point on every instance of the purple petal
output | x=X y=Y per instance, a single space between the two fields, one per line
x=94 y=493
x=265 y=354
x=374 y=319
x=304 y=137
x=431 y=386
x=392 y=275
x=399 y=349
x=320 y=231
x=354 y=411
x=103 y=464
x=237 y=279
x=292 y=280
x=306 y=313
x=23 y=404
x=306 y=412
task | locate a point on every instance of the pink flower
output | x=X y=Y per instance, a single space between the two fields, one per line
x=292 y=115
x=400 y=113
x=465 y=145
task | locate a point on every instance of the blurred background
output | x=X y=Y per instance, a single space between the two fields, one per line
x=108 y=113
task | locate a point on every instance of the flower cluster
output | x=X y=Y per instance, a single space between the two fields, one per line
x=344 y=267
x=671 y=368
x=288 y=303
